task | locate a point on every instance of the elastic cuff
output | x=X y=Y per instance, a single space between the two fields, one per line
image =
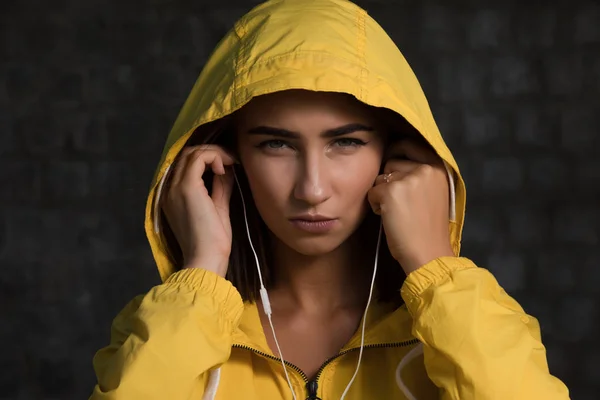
x=430 y=274
x=205 y=282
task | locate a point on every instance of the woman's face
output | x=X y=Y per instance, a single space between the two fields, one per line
x=310 y=159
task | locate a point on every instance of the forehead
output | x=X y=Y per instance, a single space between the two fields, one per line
x=295 y=108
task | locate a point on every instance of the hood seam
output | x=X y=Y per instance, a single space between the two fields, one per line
x=361 y=44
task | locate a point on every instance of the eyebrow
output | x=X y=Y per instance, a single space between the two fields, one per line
x=330 y=133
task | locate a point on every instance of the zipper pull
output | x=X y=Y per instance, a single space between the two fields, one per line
x=311 y=388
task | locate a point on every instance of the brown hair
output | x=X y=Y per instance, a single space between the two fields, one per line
x=242 y=269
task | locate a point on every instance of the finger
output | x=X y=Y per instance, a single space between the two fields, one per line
x=226 y=158
x=184 y=156
x=375 y=197
x=195 y=167
x=413 y=150
x=221 y=193
x=383 y=178
x=217 y=166
x=398 y=169
x=179 y=166
x=200 y=158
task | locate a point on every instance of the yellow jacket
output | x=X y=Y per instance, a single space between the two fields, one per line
x=459 y=336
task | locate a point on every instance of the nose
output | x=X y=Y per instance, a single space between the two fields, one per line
x=313 y=182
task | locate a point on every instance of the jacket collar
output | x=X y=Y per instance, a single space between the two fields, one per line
x=385 y=325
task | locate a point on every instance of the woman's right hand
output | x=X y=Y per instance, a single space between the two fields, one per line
x=199 y=221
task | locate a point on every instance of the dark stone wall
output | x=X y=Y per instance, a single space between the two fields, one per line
x=88 y=92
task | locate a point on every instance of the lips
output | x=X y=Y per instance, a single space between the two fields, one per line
x=314 y=223
x=312 y=218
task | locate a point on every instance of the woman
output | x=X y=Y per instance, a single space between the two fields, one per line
x=303 y=180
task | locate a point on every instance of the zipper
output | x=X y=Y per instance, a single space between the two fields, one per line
x=311 y=389
x=313 y=385
x=260 y=353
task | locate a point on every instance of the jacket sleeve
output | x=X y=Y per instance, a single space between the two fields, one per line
x=478 y=342
x=164 y=343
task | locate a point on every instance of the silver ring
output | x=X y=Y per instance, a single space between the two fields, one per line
x=387 y=178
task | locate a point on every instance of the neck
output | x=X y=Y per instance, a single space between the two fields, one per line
x=325 y=283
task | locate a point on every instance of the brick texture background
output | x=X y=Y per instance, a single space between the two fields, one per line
x=88 y=92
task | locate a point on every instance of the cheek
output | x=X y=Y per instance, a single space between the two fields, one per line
x=268 y=183
x=353 y=189
x=356 y=178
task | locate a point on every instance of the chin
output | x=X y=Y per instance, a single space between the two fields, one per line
x=316 y=245
x=314 y=250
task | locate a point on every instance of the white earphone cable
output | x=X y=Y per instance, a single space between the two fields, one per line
x=263 y=292
x=267 y=305
x=364 y=320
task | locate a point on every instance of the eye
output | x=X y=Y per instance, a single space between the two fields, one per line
x=349 y=142
x=272 y=144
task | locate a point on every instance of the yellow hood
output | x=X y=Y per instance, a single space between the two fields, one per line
x=319 y=45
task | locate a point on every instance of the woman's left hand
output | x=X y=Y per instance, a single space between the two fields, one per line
x=412 y=197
